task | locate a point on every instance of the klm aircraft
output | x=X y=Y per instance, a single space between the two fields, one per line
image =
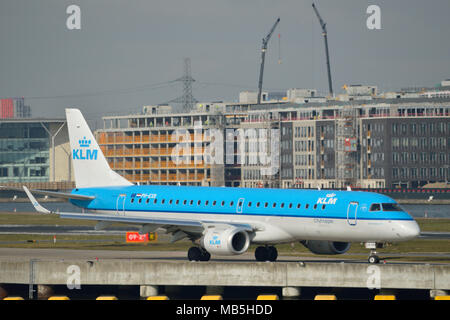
x=225 y=221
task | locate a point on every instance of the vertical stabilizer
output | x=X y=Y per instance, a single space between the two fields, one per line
x=90 y=166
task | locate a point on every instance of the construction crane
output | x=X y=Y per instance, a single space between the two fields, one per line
x=324 y=33
x=263 y=56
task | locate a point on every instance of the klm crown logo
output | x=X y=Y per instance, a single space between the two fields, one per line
x=84 y=152
x=84 y=143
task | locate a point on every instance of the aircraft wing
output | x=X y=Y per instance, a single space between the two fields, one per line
x=63 y=195
x=189 y=228
x=130 y=220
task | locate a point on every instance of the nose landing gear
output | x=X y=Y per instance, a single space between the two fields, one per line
x=373 y=257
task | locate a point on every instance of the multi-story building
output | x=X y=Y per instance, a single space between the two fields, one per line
x=14 y=108
x=162 y=147
x=362 y=139
x=374 y=143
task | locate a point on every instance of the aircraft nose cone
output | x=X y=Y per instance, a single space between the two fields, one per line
x=410 y=229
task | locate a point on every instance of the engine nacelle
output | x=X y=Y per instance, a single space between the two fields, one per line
x=326 y=247
x=229 y=241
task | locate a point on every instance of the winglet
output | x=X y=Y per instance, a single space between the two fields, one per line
x=34 y=202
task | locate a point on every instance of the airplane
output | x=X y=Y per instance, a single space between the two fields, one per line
x=225 y=220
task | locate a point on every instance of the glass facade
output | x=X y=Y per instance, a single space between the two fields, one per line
x=24 y=152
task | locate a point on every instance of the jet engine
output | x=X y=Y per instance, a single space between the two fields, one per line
x=326 y=247
x=230 y=241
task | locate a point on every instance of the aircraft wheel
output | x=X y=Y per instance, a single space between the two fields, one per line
x=205 y=255
x=261 y=253
x=272 y=253
x=374 y=259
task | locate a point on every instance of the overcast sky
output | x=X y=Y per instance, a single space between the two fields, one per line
x=126 y=51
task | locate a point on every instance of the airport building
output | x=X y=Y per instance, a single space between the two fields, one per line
x=36 y=152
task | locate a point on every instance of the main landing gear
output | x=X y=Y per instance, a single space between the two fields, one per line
x=266 y=253
x=198 y=254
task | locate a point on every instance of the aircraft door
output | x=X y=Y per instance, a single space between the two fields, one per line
x=351 y=213
x=120 y=204
x=240 y=205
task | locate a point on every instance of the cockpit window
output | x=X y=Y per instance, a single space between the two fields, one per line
x=375 y=207
x=391 y=207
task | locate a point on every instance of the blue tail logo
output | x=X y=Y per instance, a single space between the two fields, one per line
x=84 y=152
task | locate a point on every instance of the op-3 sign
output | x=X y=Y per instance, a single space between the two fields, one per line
x=135 y=237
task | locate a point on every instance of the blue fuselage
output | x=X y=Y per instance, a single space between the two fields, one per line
x=327 y=204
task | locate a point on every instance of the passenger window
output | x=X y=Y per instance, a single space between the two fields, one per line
x=199 y=202
x=375 y=207
x=206 y=202
x=163 y=200
x=155 y=201
x=257 y=204
x=250 y=204
x=191 y=202
x=315 y=206
x=132 y=200
x=147 y=201
x=323 y=207
x=223 y=203
x=266 y=204
x=184 y=202
x=231 y=203
x=170 y=201
x=214 y=202
x=290 y=205
x=240 y=204
x=306 y=206
x=177 y=202
x=298 y=205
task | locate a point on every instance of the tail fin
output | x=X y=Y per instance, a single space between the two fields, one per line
x=90 y=166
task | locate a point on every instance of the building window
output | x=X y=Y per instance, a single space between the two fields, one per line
x=395 y=173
